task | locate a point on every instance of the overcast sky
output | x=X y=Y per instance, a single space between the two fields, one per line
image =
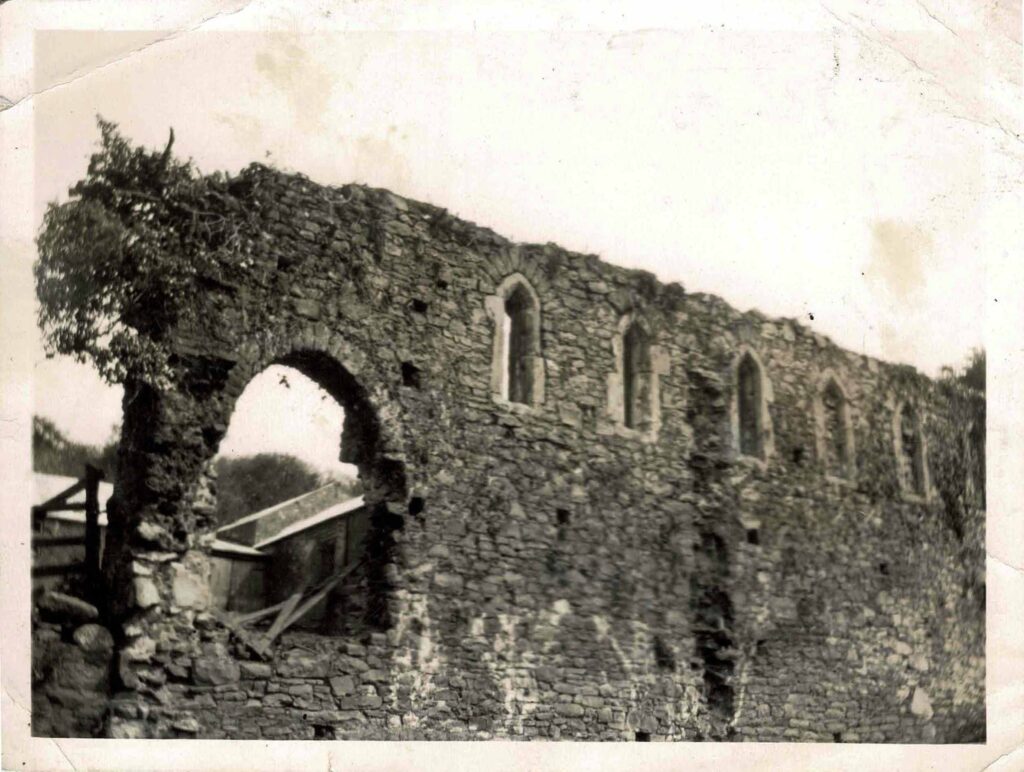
x=838 y=168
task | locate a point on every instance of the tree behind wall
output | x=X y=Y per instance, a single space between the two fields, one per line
x=54 y=453
x=957 y=461
x=250 y=483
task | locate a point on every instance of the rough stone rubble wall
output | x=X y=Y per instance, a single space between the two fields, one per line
x=544 y=572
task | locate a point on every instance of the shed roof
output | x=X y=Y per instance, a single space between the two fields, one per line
x=339 y=509
x=46 y=486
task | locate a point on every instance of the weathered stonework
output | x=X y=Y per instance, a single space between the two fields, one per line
x=539 y=570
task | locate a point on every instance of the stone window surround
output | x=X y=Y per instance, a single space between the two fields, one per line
x=897 y=440
x=495 y=307
x=824 y=379
x=765 y=418
x=616 y=407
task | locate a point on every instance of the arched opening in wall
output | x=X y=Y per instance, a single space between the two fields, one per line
x=636 y=377
x=835 y=419
x=749 y=394
x=520 y=329
x=302 y=496
x=911 y=451
x=282 y=443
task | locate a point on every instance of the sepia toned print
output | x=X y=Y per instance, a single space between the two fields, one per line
x=593 y=386
x=592 y=506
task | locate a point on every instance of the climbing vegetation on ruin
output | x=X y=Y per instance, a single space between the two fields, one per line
x=121 y=262
x=959 y=460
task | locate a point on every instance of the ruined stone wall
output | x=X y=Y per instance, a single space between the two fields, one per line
x=541 y=570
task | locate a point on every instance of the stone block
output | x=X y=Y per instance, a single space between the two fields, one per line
x=127 y=730
x=215 y=670
x=448 y=581
x=189 y=589
x=255 y=670
x=346 y=664
x=187 y=724
x=95 y=639
x=146 y=592
x=920 y=704
x=308 y=308
x=298 y=663
x=66 y=608
x=278 y=699
x=140 y=649
x=374 y=676
x=342 y=685
x=920 y=663
x=370 y=701
x=153 y=534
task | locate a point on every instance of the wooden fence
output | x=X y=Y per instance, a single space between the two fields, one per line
x=89 y=567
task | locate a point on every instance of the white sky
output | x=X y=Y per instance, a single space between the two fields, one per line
x=837 y=168
x=283 y=411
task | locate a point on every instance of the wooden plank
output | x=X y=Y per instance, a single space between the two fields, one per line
x=43 y=509
x=243 y=635
x=317 y=596
x=52 y=502
x=92 y=532
x=252 y=616
x=311 y=601
x=288 y=615
x=57 y=541
x=275 y=629
x=59 y=570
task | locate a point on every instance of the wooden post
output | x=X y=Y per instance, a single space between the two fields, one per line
x=92 y=531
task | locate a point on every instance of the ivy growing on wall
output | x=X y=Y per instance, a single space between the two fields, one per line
x=958 y=465
x=121 y=261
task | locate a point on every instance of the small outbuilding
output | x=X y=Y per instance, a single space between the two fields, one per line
x=263 y=558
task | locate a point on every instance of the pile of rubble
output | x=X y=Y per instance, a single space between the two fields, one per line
x=71 y=666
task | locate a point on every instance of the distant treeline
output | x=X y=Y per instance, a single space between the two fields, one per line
x=971 y=374
x=54 y=453
x=250 y=483
x=244 y=485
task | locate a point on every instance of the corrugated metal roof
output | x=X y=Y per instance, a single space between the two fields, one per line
x=331 y=512
x=270 y=510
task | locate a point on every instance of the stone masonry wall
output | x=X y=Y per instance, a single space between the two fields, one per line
x=541 y=570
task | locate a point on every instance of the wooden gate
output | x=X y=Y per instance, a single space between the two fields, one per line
x=89 y=567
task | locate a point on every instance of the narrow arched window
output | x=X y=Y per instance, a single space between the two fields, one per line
x=520 y=328
x=636 y=377
x=911 y=451
x=517 y=363
x=834 y=415
x=748 y=385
